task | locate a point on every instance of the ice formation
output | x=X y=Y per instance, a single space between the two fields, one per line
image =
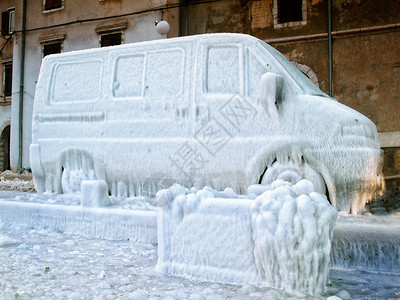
x=281 y=239
x=292 y=233
x=367 y=243
x=6 y=241
x=105 y=223
x=95 y=193
x=99 y=269
x=210 y=110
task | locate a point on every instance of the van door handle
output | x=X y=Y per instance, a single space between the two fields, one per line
x=202 y=113
x=181 y=113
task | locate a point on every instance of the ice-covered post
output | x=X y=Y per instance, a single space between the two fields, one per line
x=292 y=233
x=94 y=193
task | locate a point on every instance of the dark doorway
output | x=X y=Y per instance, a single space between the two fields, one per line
x=5 y=149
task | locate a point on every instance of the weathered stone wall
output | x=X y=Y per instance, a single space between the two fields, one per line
x=222 y=16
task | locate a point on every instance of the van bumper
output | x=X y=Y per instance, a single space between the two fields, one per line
x=37 y=169
x=353 y=177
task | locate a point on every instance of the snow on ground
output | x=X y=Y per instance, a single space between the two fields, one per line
x=44 y=264
x=11 y=181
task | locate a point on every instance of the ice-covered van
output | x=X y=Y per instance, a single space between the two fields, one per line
x=224 y=110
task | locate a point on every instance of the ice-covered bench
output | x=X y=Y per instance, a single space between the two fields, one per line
x=281 y=238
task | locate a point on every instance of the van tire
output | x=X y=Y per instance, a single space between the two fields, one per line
x=293 y=171
x=77 y=166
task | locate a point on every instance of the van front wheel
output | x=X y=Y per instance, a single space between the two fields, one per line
x=293 y=172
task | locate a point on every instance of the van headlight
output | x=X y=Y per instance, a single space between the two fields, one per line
x=359 y=130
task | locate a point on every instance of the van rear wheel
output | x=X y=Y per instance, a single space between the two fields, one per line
x=77 y=167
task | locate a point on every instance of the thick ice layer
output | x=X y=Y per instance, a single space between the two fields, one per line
x=367 y=243
x=210 y=110
x=46 y=264
x=281 y=239
x=201 y=236
x=105 y=223
x=292 y=233
x=6 y=241
x=94 y=194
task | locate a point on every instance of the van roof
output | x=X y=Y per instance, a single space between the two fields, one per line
x=232 y=36
x=295 y=75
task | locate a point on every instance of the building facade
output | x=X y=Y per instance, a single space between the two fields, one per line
x=6 y=68
x=350 y=49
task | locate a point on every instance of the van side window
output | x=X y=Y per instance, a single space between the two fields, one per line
x=255 y=70
x=78 y=81
x=222 y=70
x=164 y=73
x=128 y=76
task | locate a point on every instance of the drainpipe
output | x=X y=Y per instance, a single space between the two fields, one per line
x=21 y=86
x=184 y=19
x=330 y=47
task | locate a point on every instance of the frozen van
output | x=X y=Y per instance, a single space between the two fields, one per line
x=223 y=110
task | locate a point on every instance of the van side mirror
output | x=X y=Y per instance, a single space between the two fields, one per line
x=271 y=93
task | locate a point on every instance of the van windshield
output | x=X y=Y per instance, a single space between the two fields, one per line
x=306 y=86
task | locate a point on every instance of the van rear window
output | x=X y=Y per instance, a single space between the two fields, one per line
x=153 y=74
x=76 y=82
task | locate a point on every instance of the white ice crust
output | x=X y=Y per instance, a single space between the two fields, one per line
x=282 y=239
x=94 y=193
x=210 y=110
x=6 y=241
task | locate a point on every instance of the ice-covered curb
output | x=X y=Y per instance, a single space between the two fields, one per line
x=105 y=223
x=281 y=239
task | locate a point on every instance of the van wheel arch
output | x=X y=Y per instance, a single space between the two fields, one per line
x=76 y=165
x=289 y=164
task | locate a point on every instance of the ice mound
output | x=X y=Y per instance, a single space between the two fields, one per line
x=6 y=241
x=94 y=193
x=292 y=232
x=282 y=239
x=204 y=237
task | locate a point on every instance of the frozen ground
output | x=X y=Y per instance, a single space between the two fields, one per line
x=43 y=264
x=40 y=264
x=10 y=181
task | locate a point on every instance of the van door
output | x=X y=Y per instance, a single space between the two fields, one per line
x=220 y=78
x=149 y=105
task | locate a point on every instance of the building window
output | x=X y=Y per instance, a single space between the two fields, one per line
x=52 y=44
x=51 y=5
x=7 y=79
x=110 y=39
x=8 y=22
x=53 y=48
x=111 y=35
x=289 y=13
